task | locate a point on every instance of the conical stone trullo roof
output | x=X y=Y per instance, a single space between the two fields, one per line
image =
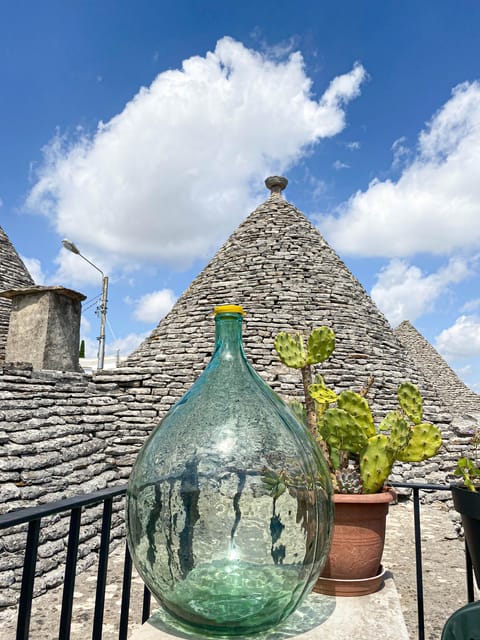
x=13 y=275
x=280 y=269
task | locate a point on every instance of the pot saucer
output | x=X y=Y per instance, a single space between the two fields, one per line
x=335 y=587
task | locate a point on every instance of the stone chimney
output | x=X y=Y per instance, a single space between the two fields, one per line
x=44 y=327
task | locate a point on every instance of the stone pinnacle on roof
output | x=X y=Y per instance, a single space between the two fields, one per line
x=276 y=184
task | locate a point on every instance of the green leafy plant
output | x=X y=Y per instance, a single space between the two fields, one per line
x=468 y=468
x=360 y=455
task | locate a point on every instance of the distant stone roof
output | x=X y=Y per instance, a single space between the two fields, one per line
x=453 y=391
x=13 y=274
x=281 y=270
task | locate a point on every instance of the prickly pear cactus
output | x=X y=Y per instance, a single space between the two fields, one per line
x=410 y=401
x=360 y=456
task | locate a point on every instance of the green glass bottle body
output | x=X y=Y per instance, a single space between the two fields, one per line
x=229 y=511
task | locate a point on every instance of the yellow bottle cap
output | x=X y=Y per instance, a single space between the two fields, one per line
x=228 y=308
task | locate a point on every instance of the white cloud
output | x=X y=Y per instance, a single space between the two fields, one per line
x=125 y=346
x=435 y=204
x=471 y=305
x=401 y=153
x=464 y=371
x=152 y=307
x=462 y=339
x=340 y=165
x=85 y=325
x=77 y=271
x=404 y=292
x=34 y=267
x=169 y=177
x=120 y=346
x=353 y=146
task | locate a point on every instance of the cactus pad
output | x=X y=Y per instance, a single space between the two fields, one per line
x=410 y=401
x=358 y=408
x=425 y=441
x=341 y=431
x=320 y=393
x=321 y=343
x=375 y=464
x=400 y=432
x=291 y=349
x=388 y=421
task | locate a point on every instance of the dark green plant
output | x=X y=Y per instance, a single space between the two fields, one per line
x=359 y=454
x=468 y=468
x=81 y=353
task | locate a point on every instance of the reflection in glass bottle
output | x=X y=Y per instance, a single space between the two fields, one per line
x=229 y=510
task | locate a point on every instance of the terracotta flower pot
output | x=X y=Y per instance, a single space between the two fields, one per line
x=353 y=566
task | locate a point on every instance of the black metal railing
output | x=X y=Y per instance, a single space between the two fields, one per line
x=33 y=516
x=416 y=488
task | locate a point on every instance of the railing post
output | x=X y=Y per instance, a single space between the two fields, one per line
x=147 y=597
x=70 y=572
x=469 y=569
x=418 y=563
x=28 y=577
x=127 y=580
x=102 y=570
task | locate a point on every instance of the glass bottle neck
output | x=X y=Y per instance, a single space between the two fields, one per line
x=228 y=336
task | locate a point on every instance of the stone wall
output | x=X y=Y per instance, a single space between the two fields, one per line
x=63 y=435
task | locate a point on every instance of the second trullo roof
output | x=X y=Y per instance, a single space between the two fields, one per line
x=13 y=275
x=280 y=269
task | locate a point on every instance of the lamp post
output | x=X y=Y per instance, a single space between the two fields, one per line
x=103 y=305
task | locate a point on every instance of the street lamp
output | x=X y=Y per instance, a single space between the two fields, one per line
x=103 y=305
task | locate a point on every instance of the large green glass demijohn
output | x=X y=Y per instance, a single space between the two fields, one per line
x=229 y=510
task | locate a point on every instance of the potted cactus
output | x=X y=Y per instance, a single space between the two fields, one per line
x=466 y=499
x=360 y=456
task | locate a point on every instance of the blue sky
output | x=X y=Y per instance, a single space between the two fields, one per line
x=143 y=131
